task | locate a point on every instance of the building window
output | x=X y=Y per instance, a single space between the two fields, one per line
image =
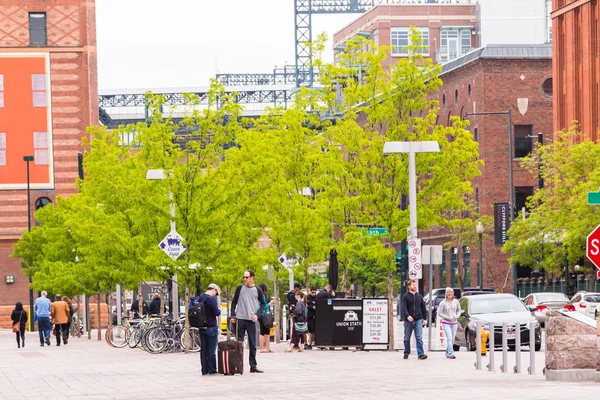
x=37 y=29
x=40 y=146
x=522 y=193
x=400 y=40
x=454 y=43
x=547 y=87
x=39 y=203
x=376 y=37
x=523 y=135
x=549 y=20
x=476 y=134
x=38 y=86
x=469 y=92
x=443 y=100
x=456 y=96
x=2 y=149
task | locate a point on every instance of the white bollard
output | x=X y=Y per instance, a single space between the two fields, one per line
x=492 y=346
x=518 y=348
x=504 y=366
x=532 y=348
x=478 y=345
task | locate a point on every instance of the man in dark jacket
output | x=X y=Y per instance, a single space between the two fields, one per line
x=415 y=318
x=210 y=336
x=154 y=308
x=135 y=307
x=310 y=305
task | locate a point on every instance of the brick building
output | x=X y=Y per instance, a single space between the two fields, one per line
x=447 y=29
x=576 y=66
x=496 y=78
x=48 y=96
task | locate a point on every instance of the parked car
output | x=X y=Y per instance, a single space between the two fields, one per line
x=586 y=303
x=540 y=303
x=496 y=309
x=438 y=295
x=474 y=293
x=597 y=312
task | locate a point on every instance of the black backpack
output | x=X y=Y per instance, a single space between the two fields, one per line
x=197 y=315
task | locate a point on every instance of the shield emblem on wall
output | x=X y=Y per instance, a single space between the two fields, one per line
x=522 y=103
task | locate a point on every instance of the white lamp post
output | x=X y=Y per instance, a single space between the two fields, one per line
x=159 y=174
x=411 y=148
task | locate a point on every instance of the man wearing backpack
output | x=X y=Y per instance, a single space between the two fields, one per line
x=209 y=335
x=247 y=304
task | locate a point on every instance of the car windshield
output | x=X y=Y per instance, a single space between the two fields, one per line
x=547 y=297
x=438 y=300
x=495 y=304
x=595 y=298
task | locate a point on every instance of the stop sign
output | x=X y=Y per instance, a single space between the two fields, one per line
x=593 y=247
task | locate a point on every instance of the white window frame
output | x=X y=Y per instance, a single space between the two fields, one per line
x=405 y=32
x=457 y=34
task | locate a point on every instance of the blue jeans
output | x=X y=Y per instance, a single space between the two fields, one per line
x=43 y=328
x=208 y=349
x=450 y=333
x=409 y=327
x=246 y=325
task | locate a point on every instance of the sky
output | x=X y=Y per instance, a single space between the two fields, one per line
x=144 y=44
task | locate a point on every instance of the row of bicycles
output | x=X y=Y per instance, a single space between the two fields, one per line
x=153 y=333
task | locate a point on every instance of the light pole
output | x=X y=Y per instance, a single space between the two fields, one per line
x=411 y=148
x=511 y=204
x=27 y=160
x=480 y=229
x=158 y=174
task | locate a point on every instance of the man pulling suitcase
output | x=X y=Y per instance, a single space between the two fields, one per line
x=247 y=304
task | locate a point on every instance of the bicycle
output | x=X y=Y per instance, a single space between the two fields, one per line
x=169 y=336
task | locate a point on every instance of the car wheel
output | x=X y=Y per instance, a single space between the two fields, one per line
x=455 y=347
x=470 y=341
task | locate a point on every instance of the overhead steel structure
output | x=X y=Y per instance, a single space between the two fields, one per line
x=304 y=73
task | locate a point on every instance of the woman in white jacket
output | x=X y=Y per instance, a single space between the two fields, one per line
x=449 y=311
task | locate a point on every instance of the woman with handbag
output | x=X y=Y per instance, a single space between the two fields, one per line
x=19 y=320
x=300 y=323
x=266 y=323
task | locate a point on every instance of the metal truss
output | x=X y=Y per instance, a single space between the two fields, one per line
x=280 y=76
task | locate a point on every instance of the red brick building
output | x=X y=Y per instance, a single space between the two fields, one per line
x=448 y=30
x=576 y=67
x=497 y=78
x=48 y=96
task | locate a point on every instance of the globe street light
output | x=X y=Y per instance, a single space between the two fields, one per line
x=480 y=229
x=27 y=160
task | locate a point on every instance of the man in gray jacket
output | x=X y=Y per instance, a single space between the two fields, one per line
x=247 y=304
x=449 y=310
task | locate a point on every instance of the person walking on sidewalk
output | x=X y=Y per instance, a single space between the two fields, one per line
x=247 y=304
x=19 y=316
x=71 y=313
x=42 y=313
x=60 y=316
x=300 y=313
x=415 y=313
x=449 y=311
x=209 y=337
x=264 y=339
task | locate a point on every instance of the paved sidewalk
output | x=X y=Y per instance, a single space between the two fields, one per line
x=88 y=369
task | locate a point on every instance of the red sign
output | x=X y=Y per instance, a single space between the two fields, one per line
x=593 y=247
x=597 y=274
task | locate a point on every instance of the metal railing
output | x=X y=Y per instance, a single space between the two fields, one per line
x=536 y=286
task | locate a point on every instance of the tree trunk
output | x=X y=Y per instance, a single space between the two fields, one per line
x=141 y=303
x=99 y=318
x=88 y=318
x=461 y=268
x=307 y=281
x=390 y=289
x=78 y=316
x=344 y=277
x=187 y=321
x=277 y=312
x=162 y=298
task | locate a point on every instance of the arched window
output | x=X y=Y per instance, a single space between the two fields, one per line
x=39 y=203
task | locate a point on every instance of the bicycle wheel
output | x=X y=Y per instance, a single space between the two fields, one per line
x=156 y=340
x=116 y=336
x=134 y=337
x=194 y=340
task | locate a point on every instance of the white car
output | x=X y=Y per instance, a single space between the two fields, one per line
x=586 y=303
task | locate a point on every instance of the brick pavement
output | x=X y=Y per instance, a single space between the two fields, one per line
x=92 y=370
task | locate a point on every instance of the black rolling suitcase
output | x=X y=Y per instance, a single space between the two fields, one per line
x=230 y=356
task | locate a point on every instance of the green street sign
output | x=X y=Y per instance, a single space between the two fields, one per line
x=377 y=231
x=594 y=198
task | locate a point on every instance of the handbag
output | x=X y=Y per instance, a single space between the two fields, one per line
x=16 y=327
x=301 y=327
x=267 y=320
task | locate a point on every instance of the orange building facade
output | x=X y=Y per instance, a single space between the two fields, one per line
x=48 y=96
x=576 y=65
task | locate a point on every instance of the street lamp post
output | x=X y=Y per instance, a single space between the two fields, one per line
x=411 y=148
x=511 y=204
x=158 y=174
x=27 y=160
x=480 y=229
